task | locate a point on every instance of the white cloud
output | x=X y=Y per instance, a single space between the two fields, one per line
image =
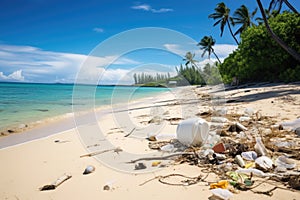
x=147 y=7
x=98 y=30
x=15 y=76
x=142 y=7
x=223 y=50
x=36 y=65
x=175 y=48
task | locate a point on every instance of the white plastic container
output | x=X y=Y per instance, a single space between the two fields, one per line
x=192 y=132
x=292 y=124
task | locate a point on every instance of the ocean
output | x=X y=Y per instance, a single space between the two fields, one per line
x=24 y=103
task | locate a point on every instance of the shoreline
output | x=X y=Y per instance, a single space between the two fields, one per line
x=44 y=160
x=54 y=125
x=26 y=126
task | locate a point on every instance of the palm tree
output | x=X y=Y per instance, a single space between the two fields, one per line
x=206 y=44
x=269 y=14
x=291 y=51
x=244 y=18
x=189 y=58
x=277 y=5
x=222 y=15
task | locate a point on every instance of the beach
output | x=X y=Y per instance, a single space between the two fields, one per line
x=41 y=155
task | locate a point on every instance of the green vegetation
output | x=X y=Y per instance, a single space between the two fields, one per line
x=222 y=15
x=148 y=80
x=260 y=58
x=192 y=75
x=206 y=44
x=268 y=50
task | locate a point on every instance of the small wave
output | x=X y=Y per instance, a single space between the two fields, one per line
x=42 y=110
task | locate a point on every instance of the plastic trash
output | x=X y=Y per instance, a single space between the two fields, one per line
x=264 y=163
x=212 y=139
x=221 y=184
x=249 y=155
x=254 y=171
x=241 y=127
x=237 y=176
x=293 y=124
x=204 y=153
x=160 y=136
x=283 y=161
x=219 y=148
x=249 y=112
x=222 y=193
x=259 y=147
x=250 y=165
x=168 y=148
x=192 y=131
x=221 y=111
x=245 y=119
x=220 y=156
x=239 y=160
x=155 y=163
x=219 y=119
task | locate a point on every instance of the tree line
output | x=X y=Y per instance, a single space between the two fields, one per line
x=143 y=78
x=268 y=50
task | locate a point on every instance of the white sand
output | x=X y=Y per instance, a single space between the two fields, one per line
x=27 y=167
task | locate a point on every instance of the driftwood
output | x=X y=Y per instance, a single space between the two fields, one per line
x=56 y=183
x=129 y=133
x=186 y=182
x=117 y=150
x=162 y=157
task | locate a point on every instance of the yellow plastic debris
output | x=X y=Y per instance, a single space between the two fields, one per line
x=155 y=163
x=221 y=184
x=250 y=165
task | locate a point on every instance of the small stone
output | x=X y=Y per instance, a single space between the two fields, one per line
x=140 y=166
x=10 y=131
x=106 y=187
x=89 y=169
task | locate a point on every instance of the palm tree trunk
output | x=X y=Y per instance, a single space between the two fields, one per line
x=216 y=56
x=290 y=6
x=237 y=42
x=291 y=51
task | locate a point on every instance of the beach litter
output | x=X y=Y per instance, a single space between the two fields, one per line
x=192 y=132
x=221 y=184
x=116 y=150
x=89 y=169
x=140 y=166
x=249 y=154
x=56 y=183
x=222 y=193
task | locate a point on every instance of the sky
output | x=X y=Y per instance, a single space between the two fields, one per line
x=105 y=41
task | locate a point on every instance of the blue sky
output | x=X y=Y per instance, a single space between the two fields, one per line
x=50 y=40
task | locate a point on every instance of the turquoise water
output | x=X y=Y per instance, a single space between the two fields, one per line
x=22 y=103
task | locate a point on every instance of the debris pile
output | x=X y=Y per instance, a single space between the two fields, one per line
x=248 y=150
